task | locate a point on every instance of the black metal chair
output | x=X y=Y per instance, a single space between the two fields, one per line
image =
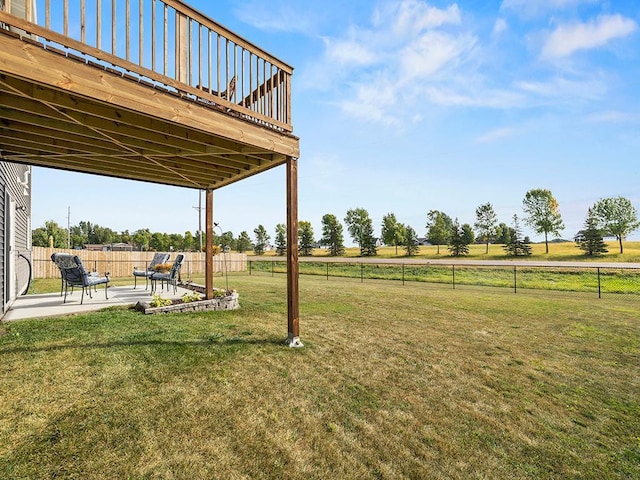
x=75 y=275
x=158 y=259
x=170 y=278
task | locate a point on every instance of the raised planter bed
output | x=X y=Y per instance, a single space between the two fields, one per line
x=227 y=302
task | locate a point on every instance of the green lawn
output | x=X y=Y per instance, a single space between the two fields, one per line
x=393 y=382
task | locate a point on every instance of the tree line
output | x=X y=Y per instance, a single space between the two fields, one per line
x=608 y=217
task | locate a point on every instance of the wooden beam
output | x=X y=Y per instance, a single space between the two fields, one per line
x=208 y=282
x=293 y=303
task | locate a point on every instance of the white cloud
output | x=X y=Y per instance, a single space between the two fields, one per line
x=412 y=16
x=495 y=135
x=558 y=88
x=384 y=67
x=348 y=52
x=431 y=52
x=499 y=27
x=567 y=39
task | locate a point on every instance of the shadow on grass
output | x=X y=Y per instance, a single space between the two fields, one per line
x=217 y=340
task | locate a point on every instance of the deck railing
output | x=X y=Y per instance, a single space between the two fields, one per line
x=166 y=44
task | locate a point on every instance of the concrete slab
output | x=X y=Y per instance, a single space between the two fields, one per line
x=51 y=304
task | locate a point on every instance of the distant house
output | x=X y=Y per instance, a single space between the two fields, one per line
x=15 y=231
x=422 y=241
x=109 y=247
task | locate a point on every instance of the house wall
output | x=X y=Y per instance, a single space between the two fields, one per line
x=15 y=186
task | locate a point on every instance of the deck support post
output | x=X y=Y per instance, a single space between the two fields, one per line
x=208 y=269
x=293 y=304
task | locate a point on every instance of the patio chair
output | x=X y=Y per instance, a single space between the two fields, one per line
x=158 y=259
x=170 y=278
x=75 y=275
x=65 y=260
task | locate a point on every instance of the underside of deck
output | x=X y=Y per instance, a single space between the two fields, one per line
x=61 y=112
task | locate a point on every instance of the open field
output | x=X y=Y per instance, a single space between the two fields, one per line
x=566 y=251
x=588 y=280
x=393 y=382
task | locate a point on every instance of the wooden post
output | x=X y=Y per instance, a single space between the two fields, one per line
x=293 y=303
x=208 y=270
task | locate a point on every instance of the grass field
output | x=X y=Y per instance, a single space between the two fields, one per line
x=565 y=251
x=393 y=382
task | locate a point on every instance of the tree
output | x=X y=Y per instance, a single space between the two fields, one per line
x=226 y=240
x=360 y=228
x=457 y=243
x=410 y=241
x=305 y=236
x=467 y=234
x=51 y=234
x=261 y=240
x=142 y=238
x=159 y=242
x=392 y=231
x=438 y=228
x=243 y=242
x=590 y=239
x=486 y=223
x=332 y=235
x=516 y=247
x=617 y=217
x=189 y=242
x=281 y=239
x=543 y=214
x=503 y=233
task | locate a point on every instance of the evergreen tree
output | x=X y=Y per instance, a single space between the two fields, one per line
x=305 y=238
x=458 y=244
x=243 y=242
x=332 y=235
x=590 y=239
x=261 y=240
x=281 y=239
x=516 y=247
x=410 y=238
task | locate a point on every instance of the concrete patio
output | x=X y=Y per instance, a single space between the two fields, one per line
x=51 y=304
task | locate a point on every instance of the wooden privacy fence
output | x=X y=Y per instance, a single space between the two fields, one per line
x=121 y=264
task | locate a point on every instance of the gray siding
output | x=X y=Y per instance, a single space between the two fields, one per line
x=11 y=189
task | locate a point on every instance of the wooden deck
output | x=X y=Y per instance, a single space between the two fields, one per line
x=148 y=90
x=202 y=116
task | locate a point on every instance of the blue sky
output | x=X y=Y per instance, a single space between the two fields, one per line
x=408 y=106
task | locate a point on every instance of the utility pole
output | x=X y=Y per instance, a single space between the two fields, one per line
x=199 y=209
x=68 y=227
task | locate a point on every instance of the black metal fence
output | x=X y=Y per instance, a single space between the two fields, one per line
x=591 y=280
x=586 y=279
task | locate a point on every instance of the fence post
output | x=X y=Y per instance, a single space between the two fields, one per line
x=327 y=270
x=453 y=275
x=515 y=280
x=362 y=273
x=403 y=274
x=599 y=289
x=250 y=267
x=272 y=267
